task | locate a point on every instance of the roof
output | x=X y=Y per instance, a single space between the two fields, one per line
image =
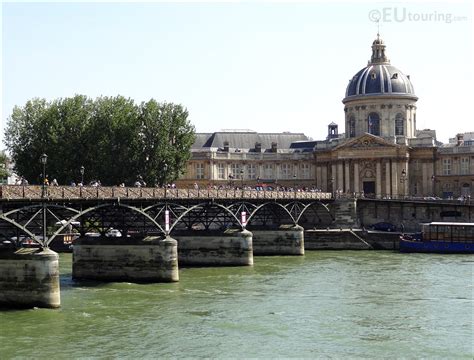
x=380 y=79
x=247 y=140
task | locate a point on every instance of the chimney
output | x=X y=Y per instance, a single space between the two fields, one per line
x=274 y=147
x=459 y=139
x=258 y=147
x=226 y=146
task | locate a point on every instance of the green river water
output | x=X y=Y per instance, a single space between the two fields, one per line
x=338 y=305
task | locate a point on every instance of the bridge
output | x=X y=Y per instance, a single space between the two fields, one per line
x=41 y=214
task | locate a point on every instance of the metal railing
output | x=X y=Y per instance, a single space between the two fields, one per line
x=33 y=192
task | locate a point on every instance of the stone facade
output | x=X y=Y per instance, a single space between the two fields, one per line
x=381 y=154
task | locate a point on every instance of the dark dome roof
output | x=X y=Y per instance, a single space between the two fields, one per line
x=380 y=79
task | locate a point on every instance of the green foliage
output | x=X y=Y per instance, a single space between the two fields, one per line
x=112 y=137
x=3 y=166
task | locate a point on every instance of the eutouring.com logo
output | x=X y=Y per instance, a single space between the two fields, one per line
x=402 y=14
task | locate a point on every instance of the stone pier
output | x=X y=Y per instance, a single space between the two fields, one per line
x=286 y=240
x=230 y=248
x=29 y=277
x=153 y=259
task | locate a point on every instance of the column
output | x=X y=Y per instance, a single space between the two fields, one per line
x=378 y=179
x=212 y=170
x=319 y=177
x=424 y=182
x=405 y=186
x=340 y=176
x=347 y=186
x=395 y=179
x=387 y=179
x=324 y=178
x=356 y=178
x=333 y=179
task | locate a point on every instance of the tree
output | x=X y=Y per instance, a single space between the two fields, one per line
x=113 y=138
x=3 y=167
x=166 y=137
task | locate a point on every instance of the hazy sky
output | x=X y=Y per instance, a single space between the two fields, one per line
x=268 y=67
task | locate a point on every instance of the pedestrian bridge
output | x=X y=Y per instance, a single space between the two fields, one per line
x=40 y=214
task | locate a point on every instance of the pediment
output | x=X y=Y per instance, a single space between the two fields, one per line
x=366 y=141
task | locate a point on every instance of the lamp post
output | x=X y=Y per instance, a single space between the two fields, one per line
x=81 y=170
x=43 y=161
x=165 y=172
x=242 y=178
x=433 y=184
x=332 y=187
x=294 y=183
x=403 y=179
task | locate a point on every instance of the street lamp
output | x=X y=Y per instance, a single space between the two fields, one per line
x=242 y=177
x=433 y=183
x=82 y=174
x=43 y=161
x=403 y=179
x=332 y=187
x=294 y=184
x=165 y=171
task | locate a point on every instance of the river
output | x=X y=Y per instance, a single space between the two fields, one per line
x=327 y=304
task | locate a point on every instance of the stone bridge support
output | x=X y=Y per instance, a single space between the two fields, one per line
x=286 y=240
x=233 y=247
x=152 y=259
x=29 y=277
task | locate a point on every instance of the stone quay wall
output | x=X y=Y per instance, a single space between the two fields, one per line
x=407 y=215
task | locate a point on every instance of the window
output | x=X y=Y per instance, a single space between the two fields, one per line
x=235 y=171
x=352 y=126
x=374 y=124
x=286 y=172
x=446 y=166
x=199 y=171
x=399 y=124
x=252 y=170
x=221 y=171
x=305 y=171
x=268 y=171
x=464 y=166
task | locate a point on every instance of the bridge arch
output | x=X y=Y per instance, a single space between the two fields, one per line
x=6 y=216
x=111 y=205
x=263 y=206
x=204 y=206
x=317 y=205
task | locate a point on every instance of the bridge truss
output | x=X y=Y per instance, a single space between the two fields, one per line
x=27 y=217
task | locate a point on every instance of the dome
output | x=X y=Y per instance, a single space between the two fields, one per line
x=380 y=79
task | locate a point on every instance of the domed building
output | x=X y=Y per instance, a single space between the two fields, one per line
x=374 y=156
x=380 y=99
x=381 y=153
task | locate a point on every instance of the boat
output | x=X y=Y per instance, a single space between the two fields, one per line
x=440 y=237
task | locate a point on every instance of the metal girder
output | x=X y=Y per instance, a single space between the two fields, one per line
x=87 y=216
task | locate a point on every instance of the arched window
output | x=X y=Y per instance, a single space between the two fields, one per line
x=399 y=124
x=352 y=126
x=374 y=124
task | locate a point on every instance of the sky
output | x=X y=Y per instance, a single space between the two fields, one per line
x=264 y=66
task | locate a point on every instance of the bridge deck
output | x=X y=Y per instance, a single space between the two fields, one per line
x=34 y=192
